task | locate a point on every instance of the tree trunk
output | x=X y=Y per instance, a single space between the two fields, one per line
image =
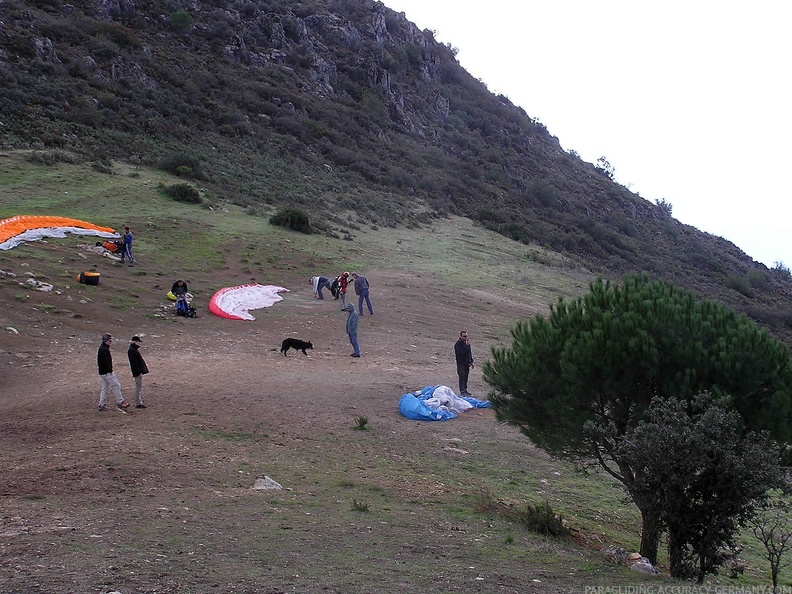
x=650 y=535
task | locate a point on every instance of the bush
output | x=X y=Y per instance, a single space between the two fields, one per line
x=183 y=165
x=183 y=193
x=293 y=219
x=741 y=284
x=50 y=157
x=181 y=21
x=541 y=518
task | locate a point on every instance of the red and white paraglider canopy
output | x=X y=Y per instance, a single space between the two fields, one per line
x=234 y=303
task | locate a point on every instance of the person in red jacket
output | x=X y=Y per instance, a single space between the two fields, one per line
x=343 y=282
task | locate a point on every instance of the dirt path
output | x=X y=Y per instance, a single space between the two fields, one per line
x=102 y=502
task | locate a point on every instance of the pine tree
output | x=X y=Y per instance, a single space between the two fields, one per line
x=577 y=381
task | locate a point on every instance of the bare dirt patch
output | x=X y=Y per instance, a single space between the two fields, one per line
x=160 y=500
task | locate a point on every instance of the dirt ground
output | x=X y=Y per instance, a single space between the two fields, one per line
x=160 y=500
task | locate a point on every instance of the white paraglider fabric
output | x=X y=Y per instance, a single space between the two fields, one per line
x=235 y=303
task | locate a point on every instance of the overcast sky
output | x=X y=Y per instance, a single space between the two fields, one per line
x=690 y=101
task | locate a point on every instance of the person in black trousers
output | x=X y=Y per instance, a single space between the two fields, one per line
x=138 y=367
x=464 y=361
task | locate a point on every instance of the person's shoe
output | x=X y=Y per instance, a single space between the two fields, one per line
x=102 y=408
x=123 y=406
x=140 y=406
x=355 y=356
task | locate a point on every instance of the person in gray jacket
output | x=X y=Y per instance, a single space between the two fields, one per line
x=352 y=328
x=362 y=291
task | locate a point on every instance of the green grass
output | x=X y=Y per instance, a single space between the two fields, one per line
x=442 y=521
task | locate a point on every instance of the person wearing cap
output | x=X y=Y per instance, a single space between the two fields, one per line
x=104 y=361
x=138 y=367
x=362 y=291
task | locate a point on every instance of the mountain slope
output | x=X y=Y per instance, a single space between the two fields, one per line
x=346 y=110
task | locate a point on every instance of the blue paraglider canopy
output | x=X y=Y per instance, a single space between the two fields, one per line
x=437 y=403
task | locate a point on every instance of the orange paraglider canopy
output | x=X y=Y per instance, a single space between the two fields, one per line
x=19 y=229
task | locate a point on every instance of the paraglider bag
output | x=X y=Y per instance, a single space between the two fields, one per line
x=88 y=278
x=183 y=308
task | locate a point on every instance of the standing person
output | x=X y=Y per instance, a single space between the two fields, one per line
x=318 y=283
x=138 y=367
x=127 y=251
x=464 y=361
x=362 y=291
x=104 y=361
x=343 y=282
x=352 y=329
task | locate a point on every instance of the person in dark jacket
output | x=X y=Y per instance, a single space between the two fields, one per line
x=362 y=291
x=104 y=361
x=352 y=329
x=138 y=367
x=179 y=290
x=127 y=251
x=464 y=361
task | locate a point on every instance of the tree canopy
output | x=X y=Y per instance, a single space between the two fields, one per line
x=577 y=381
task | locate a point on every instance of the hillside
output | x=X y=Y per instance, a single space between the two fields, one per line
x=348 y=111
x=160 y=500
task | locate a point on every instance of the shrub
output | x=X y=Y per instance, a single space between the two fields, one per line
x=781 y=271
x=50 y=157
x=183 y=165
x=183 y=193
x=181 y=21
x=740 y=284
x=541 y=518
x=758 y=279
x=293 y=219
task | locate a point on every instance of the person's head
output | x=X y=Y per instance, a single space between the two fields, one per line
x=349 y=307
x=463 y=335
x=126 y=228
x=345 y=274
x=354 y=275
x=107 y=339
x=180 y=282
x=136 y=340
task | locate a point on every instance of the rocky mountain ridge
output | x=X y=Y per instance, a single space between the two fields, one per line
x=346 y=110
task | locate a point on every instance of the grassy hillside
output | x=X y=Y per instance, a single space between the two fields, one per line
x=346 y=110
x=160 y=500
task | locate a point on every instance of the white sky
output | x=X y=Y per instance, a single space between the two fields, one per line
x=689 y=100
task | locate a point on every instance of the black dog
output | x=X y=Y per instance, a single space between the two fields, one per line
x=296 y=344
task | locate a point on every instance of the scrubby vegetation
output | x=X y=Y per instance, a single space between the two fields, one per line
x=282 y=109
x=293 y=219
